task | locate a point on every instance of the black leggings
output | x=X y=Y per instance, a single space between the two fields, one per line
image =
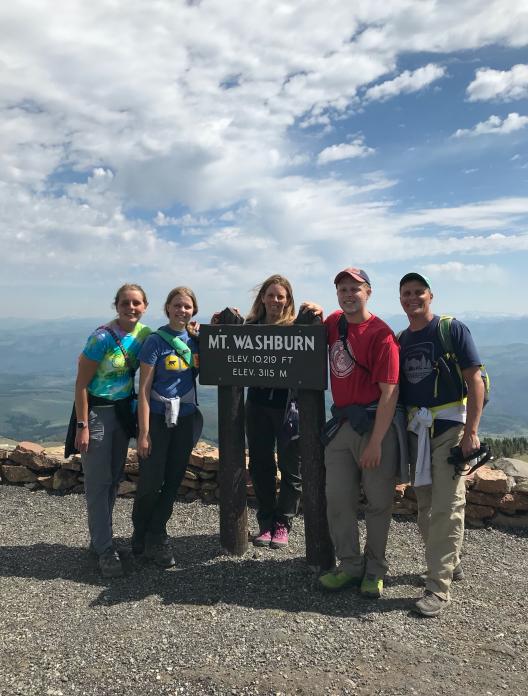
x=263 y=429
x=160 y=475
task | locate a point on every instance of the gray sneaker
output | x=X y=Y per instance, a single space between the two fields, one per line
x=430 y=604
x=110 y=564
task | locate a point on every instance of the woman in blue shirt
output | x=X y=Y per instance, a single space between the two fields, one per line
x=169 y=424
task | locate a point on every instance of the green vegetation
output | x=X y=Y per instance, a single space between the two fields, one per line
x=516 y=447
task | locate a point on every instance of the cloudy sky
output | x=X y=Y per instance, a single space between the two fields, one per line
x=211 y=143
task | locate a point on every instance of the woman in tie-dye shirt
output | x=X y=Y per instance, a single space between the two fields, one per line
x=103 y=391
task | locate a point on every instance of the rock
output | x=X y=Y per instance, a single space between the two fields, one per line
x=191 y=495
x=126 y=488
x=479 y=498
x=190 y=474
x=207 y=475
x=190 y=483
x=45 y=481
x=513 y=467
x=511 y=521
x=196 y=459
x=479 y=512
x=209 y=486
x=63 y=479
x=31 y=455
x=404 y=507
x=32 y=486
x=79 y=488
x=491 y=481
x=521 y=486
x=410 y=493
x=5 y=452
x=18 y=474
x=513 y=502
x=72 y=463
x=207 y=496
x=399 y=491
x=131 y=462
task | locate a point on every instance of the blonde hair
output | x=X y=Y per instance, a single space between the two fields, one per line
x=258 y=311
x=130 y=286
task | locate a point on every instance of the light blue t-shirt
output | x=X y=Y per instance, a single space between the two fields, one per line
x=113 y=379
x=172 y=376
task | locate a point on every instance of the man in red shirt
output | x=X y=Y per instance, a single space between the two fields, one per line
x=364 y=452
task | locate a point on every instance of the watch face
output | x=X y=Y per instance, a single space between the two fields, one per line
x=81 y=425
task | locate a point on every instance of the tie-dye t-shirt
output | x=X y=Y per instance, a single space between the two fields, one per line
x=113 y=379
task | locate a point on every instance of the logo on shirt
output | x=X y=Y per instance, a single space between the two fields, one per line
x=174 y=362
x=341 y=363
x=417 y=362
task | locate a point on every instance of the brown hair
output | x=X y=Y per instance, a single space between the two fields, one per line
x=181 y=290
x=258 y=311
x=130 y=286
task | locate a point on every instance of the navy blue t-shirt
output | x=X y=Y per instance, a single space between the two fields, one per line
x=172 y=377
x=419 y=353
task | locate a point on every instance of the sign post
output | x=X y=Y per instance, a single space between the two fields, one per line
x=232 y=451
x=320 y=553
x=232 y=356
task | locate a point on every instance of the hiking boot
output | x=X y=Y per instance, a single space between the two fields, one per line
x=430 y=604
x=279 y=540
x=160 y=552
x=263 y=538
x=338 y=580
x=371 y=586
x=458 y=574
x=110 y=564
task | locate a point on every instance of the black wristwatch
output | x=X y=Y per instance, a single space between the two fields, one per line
x=81 y=425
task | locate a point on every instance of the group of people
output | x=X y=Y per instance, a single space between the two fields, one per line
x=400 y=405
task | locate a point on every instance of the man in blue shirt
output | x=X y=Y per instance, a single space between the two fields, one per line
x=444 y=406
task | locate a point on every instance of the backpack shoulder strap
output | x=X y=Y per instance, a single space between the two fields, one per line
x=119 y=344
x=444 y=333
x=342 y=327
x=181 y=349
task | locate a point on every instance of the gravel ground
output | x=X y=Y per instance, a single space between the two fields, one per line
x=252 y=625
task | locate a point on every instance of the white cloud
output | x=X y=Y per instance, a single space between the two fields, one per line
x=495 y=125
x=475 y=273
x=344 y=151
x=408 y=81
x=164 y=143
x=504 y=85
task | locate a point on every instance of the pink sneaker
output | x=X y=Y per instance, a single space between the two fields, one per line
x=263 y=538
x=279 y=539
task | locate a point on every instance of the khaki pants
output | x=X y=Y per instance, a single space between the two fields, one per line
x=343 y=481
x=441 y=511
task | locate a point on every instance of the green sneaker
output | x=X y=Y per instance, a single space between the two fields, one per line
x=338 y=580
x=371 y=586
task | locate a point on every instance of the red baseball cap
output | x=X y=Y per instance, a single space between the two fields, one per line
x=356 y=273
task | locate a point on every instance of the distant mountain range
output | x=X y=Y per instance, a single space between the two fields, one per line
x=38 y=364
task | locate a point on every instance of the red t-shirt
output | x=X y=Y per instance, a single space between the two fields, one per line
x=373 y=345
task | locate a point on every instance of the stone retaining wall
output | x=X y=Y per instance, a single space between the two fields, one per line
x=497 y=495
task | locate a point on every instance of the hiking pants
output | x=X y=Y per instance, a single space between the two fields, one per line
x=103 y=466
x=160 y=476
x=344 y=480
x=263 y=429
x=441 y=511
